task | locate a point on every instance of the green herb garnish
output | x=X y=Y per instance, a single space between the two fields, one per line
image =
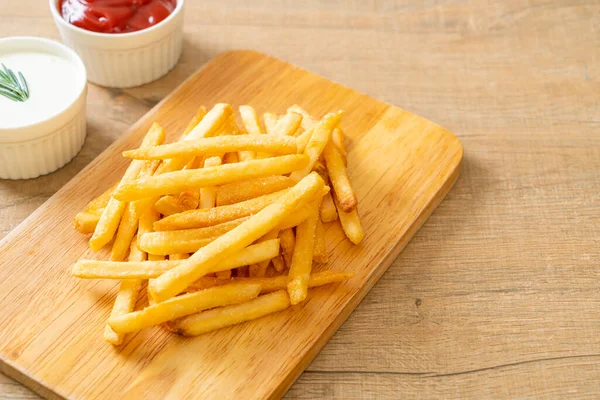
x=12 y=87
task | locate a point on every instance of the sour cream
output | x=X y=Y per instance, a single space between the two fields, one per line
x=54 y=85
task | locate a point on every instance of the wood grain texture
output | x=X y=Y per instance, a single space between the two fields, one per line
x=401 y=165
x=505 y=271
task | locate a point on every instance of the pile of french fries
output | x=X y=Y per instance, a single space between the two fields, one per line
x=223 y=225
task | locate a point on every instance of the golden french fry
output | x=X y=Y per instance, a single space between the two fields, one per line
x=216 y=215
x=288 y=242
x=287 y=126
x=321 y=169
x=223 y=275
x=200 y=263
x=242 y=271
x=302 y=259
x=308 y=122
x=328 y=210
x=270 y=121
x=127 y=229
x=191 y=240
x=178 y=181
x=231 y=315
x=252 y=125
x=271 y=144
x=190 y=246
x=208 y=194
x=318 y=140
x=126 y=297
x=156 y=257
x=231 y=158
x=187 y=304
x=85 y=221
x=350 y=223
x=320 y=251
x=339 y=178
x=111 y=216
x=280 y=282
x=260 y=268
x=93 y=269
x=303 y=139
x=129 y=222
x=337 y=137
x=209 y=125
x=169 y=205
x=179 y=256
x=249 y=189
x=278 y=263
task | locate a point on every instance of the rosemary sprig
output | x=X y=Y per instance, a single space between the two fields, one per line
x=12 y=87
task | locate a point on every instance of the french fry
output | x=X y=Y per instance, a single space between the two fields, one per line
x=278 y=263
x=337 y=137
x=178 y=181
x=169 y=205
x=111 y=216
x=231 y=315
x=242 y=271
x=288 y=242
x=93 y=269
x=129 y=222
x=190 y=246
x=287 y=126
x=339 y=178
x=200 y=263
x=308 y=122
x=190 y=199
x=271 y=144
x=127 y=229
x=216 y=215
x=315 y=146
x=280 y=282
x=156 y=257
x=209 y=125
x=126 y=298
x=231 y=158
x=249 y=189
x=179 y=256
x=260 y=268
x=302 y=259
x=223 y=275
x=208 y=194
x=303 y=139
x=320 y=251
x=328 y=210
x=191 y=240
x=85 y=221
x=350 y=223
x=321 y=169
x=180 y=306
x=252 y=125
x=270 y=121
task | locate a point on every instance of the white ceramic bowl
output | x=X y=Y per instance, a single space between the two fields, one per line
x=28 y=151
x=123 y=60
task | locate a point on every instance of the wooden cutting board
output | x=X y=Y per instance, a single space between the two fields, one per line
x=51 y=324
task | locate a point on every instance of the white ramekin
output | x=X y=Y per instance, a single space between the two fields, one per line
x=37 y=149
x=124 y=60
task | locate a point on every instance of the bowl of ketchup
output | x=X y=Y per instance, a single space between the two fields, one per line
x=123 y=43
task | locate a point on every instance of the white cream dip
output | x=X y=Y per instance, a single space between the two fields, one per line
x=54 y=84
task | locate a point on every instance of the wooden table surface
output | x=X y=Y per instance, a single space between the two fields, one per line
x=498 y=294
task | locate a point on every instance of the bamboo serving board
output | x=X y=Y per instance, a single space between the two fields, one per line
x=51 y=324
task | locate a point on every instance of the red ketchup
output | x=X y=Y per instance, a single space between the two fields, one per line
x=115 y=16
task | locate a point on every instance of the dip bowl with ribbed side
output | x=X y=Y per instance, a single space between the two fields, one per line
x=122 y=60
x=45 y=131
